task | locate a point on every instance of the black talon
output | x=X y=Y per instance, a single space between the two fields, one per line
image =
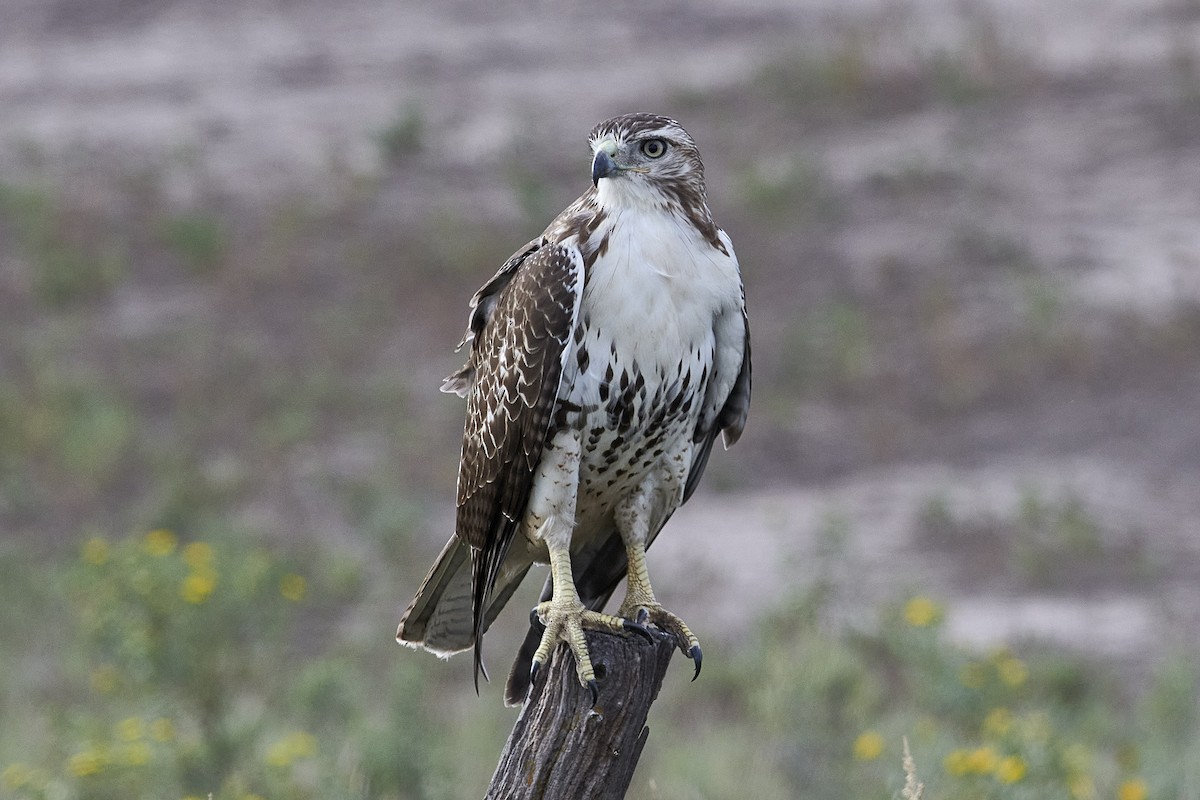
x=639 y=628
x=594 y=688
x=535 y=620
x=533 y=673
x=695 y=655
x=643 y=616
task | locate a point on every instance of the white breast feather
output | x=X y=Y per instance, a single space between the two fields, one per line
x=659 y=287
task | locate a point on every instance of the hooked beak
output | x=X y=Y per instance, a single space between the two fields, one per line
x=603 y=166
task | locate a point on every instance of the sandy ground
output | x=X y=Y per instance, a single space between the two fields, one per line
x=1094 y=177
x=865 y=536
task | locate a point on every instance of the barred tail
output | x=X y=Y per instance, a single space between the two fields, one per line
x=439 y=618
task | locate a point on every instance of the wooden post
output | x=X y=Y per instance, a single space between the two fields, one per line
x=560 y=747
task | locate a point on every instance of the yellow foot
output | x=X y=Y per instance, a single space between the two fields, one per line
x=565 y=621
x=653 y=613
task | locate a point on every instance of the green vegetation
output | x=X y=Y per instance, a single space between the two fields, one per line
x=199 y=239
x=174 y=669
x=813 y=711
x=835 y=350
x=66 y=255
x=404 y=136
x=867 y=68
x=527 y=183
x=153 y=666
x=788 y=189
x=1045 y=542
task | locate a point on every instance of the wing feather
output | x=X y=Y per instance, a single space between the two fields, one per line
x=483 y=305
x=516 y=368
x=728 y=403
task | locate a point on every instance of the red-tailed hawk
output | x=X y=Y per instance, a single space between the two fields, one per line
x=607 y=355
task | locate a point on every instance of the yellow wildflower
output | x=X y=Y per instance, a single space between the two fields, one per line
x=197 y=586
x=981 y=760
x=85 y=763
x=162 y=729
x=278 y=755
x=129 y=729
x=868 y=746
x=957 y=762
x=1012 y=671
x=921 y=612
x=303 y=744
x=160 y=542
x=95 y=551
x=16 y=775
x=290 y=748
x=198 y=555
x=997 y=722
x=1011 y=769
x=1133 y=789
x=104 y=679
x=136 y=754
x=293 y=587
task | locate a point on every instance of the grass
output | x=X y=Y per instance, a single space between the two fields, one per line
x=165 y=666
x=235 y=346
x=874 y=66
x=404 y=136
x=1043 y=542
x=198 y=238
x=788 y=188
x=829 y=713
x=66 y=256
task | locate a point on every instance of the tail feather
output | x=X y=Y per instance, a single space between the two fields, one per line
x=439 y=617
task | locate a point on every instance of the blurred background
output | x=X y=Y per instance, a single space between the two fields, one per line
x=236 y=245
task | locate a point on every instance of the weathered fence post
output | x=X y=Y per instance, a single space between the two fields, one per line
x=560 y=747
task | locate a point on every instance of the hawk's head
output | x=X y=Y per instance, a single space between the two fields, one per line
x=646 y=159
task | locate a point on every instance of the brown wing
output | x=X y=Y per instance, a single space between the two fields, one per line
x=517 y=358
x=483 y=304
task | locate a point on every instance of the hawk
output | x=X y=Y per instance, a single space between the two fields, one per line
x=606 y=357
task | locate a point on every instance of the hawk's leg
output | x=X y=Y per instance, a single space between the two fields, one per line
x=550 y=518
x=633 y=522
x=565 y=618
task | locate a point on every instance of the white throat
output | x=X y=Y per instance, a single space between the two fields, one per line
x=627 y=193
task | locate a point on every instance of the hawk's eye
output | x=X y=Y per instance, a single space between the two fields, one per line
x=653 y=148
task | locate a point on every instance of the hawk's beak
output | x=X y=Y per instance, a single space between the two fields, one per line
x=603 y=166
